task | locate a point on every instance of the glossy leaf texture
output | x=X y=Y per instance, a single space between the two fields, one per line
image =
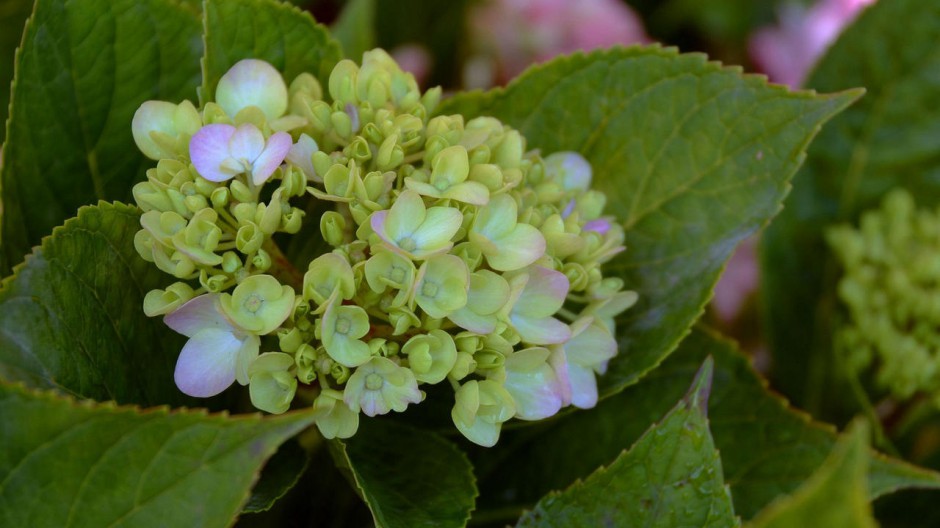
x=767 y=448
x=693 y=157
x=888 y=139
x=836 y=496
x=281 y=34
x=83 y=70
x=71 y=464
x=71 y=316
x=409 y=478
x=671 y=477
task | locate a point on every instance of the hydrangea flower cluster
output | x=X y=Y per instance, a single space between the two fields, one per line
x=455 y=254
x=891 y=291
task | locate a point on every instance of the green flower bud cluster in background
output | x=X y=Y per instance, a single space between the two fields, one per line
x=891 y=292
x=458 y=256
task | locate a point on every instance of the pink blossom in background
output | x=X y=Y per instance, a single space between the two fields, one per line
x=738 y=282
x=514 y=34
x=414 y=59
x=787 y=52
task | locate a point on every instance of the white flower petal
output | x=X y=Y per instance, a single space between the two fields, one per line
x=207 y=363
x=300 y=155
x=583 y=386
x=541 y=331
x=209 y=149
x=246 y=143
x=153 y=116
x=252 y=82
x=198 y=314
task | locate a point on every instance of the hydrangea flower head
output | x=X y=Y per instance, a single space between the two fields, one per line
x=444 y=252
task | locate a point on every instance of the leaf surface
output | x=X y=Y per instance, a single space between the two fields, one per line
x=693 y=158
x=888 y=139
x=355 y=28
x=71 y=464
x=83 y=70
x=768 y=448
x=71 y=318
x=409 y=478
x=670 y=477
x=836 y=496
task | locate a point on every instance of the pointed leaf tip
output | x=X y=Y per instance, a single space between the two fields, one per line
x=701 y=388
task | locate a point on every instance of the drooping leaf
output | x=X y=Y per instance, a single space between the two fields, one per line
x=836 y=496
x=408 y=477
x=72 y=464
x=768 y=449
x=279 y=33
x=670 y=477
x=280 y=474
x=71 y=316
x=84 y=69
x=693 y=157
x=888 y=139
x=355 y=28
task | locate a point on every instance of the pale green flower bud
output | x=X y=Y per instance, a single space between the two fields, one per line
x=403 y=319
x=294 y=182
x=342 y=85
x=390 y=154
x=241 y=192
x=143 y=243
x=481 y=409
x=272 y=387
x=249 y=238
x=326 y=276
x=306 y=84
x=230 y=262
x=261 y=260
x=292 y=221
x=386 y=269
x=173 y=262
x=509 y=152
x=305 y=357
x=342 y=123
x=289 y=340
x=431 y=356
x=200 y=237
x=162 y=130
x=213 y=282
x=380 y=386
x=259 y=304
x=161 y=302
x=464 y=365
x=333 y=228
x=220 y=197
x=569 y=169
x=334 y=418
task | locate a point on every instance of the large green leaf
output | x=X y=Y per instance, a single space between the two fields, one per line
x=409 y=478
x=84 y=69
x=279 y=33
x=889 y=139
x=71 y=316
x=767 y=448
x=693 y=158
x=69 y=464
x=670 y=477
x=836 y=496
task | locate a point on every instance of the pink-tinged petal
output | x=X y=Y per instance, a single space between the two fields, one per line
x=251 y=346
x=520 y=247
x=246 y=143
x=559 y=363
x=372 y=403
x=271 y=157
x=543 y=294
x=377 y=223
x=207 y=363
x=439 y=226
x=209 y=148
x=583 y=386
x=300 y=155
x=601 y=225
x=540 y=331
x=198 y=314
x=252 y=82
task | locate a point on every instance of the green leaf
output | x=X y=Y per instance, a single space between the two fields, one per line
x=887 y=140
x=768 y=449
x=355 y=28
x=71 y=316
x=670 y=477
x=279 y=33
x=13 y=14
x=83 y=70
x=693 y=157
x=836 y=496
x=70 y=464
x=408 y=477
x=280 y=474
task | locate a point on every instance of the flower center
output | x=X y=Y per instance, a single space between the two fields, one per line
x=407 y=243
x=374 y=382
x=342 y=326
x=397 y=275
x=429 y=289
x=254 y=303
